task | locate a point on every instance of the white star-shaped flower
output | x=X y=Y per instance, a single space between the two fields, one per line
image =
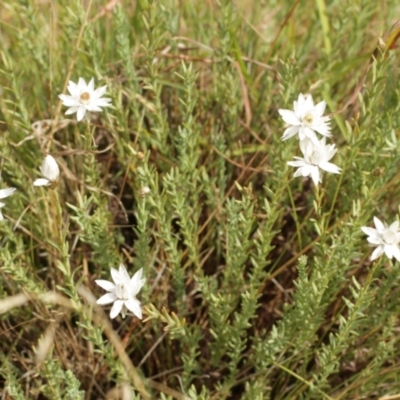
x=306 y=119
x=316 y=157
x=49 y=171
x=3 y=194
x=122 y=292
x=84 y=99
x=385 y=238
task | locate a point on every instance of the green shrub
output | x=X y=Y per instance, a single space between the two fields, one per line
x=259 y=284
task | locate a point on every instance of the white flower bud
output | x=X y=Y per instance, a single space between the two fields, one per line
x=49 y=171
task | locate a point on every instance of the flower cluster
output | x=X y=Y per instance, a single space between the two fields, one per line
x=306 y=120
x=83 y=100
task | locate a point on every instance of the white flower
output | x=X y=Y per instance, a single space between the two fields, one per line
x=122 y=292
x=306 y=119
x=84 y=99
x=49 y=171
x=3 y=194
x=316 y=157
x=385 y=238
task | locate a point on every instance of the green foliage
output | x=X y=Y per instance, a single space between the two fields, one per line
x=60 y=384
x=258 y=284
x=9 y=373
x=173 y=325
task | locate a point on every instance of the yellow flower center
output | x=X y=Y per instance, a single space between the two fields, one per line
x=308 y=119
x=84 y=98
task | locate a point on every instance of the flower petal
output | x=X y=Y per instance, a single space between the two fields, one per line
x=115 y=276
x=389 y=251
x=307 y=145
x=299 y=104
x=289 y=117
x=375 y=240
x=123 y=274
x=369 y=231
x=380 y=227
x=290 y=132
x=99 y=91
x=41 y=182
x=93 y=108
x=133 y=305
x=319 y=109
x=306 y=132
x=298 y=163
x=106 y=285
x=137 y=276
x=73 y=89
x=308 y=104
x=6 y=192
x=308 y=170
x=116 y=308
x=80 y=113
x=322 y=128
x=329 y=167
x=104 y=102
x=72 y=110
x=82 y=85
x=49 y=168
x=137 y=282
x=91 y=86
x=396 y=252
x=394 y=226
x=298 y=173
x=106 y=299
x=315 y=175
x=68 y=101
x=377 y=253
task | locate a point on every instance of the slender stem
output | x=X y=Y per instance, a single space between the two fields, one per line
x=296 y=219
x=325 y=25
x=318 y=200
x=301 y=379
x=69 y=72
